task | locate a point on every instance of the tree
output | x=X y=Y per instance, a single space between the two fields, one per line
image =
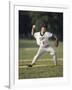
x=53 y=21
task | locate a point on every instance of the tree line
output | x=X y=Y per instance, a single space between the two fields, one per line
x=53 y=21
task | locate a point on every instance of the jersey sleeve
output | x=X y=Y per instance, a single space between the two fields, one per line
x=36 y=34
x=49 y=34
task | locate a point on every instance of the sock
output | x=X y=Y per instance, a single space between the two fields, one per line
x=55 y=59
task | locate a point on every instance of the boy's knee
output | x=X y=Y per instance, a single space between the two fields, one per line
x=53 y=53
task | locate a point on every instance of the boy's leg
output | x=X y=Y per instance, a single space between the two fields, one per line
x=39 y=53
x=53 y=54
x=55 y=59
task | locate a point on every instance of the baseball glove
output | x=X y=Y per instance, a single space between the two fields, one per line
x=56 y=43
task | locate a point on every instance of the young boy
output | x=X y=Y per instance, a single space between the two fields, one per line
x=43 y=43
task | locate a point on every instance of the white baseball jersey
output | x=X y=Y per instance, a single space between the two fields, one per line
x=42 y=40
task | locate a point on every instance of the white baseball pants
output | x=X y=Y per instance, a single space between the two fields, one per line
x=42 y=50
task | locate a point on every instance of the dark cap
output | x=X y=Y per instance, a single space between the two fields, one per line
x=42 y=25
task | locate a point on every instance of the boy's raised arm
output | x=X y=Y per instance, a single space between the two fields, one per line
x=33 y=29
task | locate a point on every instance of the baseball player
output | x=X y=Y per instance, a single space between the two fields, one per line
x=43 y=43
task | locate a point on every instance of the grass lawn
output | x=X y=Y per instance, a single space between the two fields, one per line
x=44 y=67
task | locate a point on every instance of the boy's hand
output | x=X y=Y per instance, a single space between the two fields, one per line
x=33 y=26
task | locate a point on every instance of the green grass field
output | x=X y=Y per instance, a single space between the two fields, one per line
x=44 y=67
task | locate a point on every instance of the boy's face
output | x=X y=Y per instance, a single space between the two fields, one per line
x=43 y=29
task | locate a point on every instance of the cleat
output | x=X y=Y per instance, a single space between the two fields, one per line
x=29 y=65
